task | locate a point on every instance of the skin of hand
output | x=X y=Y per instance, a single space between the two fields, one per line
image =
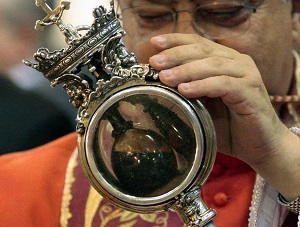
x=237 y=75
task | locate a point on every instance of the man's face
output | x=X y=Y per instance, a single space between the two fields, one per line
x=268 y=39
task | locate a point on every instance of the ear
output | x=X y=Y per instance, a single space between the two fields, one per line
x=296 y=30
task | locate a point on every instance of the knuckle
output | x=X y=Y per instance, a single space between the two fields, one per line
x=252 y=84
x=226 y=81
x=170 y=81
x=197 y=37
x=206 y=49
x=169 y=37
x=177 y=71
x=180 y=74
x=216 y=61
x=203 y=49
x=246 y=58
x=166 y=53
x=172 y=56
x=247 y=62
x=172 y=39
x=256 y=83
x=169 y=55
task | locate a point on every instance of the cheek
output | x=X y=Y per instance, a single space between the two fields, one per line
x=269 y=43
x=253 y=45
x=142 y=48
x=137 y=42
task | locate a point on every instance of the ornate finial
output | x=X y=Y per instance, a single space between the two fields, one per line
x=192 y=209
x=100 y=51
x=80 y=50
x=54 y=17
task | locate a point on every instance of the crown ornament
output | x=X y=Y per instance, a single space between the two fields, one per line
x=100 y=49
x=142 y=145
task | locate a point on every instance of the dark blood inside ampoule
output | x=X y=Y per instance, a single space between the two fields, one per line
x=143 y=162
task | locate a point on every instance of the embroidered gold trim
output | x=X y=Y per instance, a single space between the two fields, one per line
x=67 y=195
x=93 y=201
x=108 y=212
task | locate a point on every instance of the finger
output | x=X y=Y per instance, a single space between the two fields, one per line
x=186 y=53
x=171 y=40
x=231 y=90
x=234 y=92
x=202 y=69
x=211 y=87
x=223 y=87
x=176 y=39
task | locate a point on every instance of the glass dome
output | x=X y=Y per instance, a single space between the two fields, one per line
x=144 y=145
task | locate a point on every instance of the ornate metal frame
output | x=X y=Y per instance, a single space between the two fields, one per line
x=118 y=74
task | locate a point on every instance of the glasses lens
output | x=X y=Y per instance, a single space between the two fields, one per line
x=222 y=19
x=147 y=20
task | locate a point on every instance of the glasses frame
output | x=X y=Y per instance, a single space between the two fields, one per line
x=175 y=15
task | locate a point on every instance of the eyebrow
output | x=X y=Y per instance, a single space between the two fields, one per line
x=158 y=1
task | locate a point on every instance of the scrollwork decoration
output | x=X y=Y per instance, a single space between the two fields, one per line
x=102 y=40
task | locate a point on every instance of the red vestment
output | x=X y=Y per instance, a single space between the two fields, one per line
x=33 y=183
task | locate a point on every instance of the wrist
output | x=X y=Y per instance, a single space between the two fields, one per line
x=281 y=167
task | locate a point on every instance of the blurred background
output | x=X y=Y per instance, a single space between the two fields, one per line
x=31 y=112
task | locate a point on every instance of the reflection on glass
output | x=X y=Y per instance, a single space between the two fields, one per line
x=145 y=145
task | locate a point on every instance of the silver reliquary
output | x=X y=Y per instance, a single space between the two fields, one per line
x=142 y=145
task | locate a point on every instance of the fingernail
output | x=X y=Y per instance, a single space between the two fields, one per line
x=159 y=59
x=159 y=40
x=185 y=86
x=166 y=73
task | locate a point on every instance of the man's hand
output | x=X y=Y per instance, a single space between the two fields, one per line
x=199 y=67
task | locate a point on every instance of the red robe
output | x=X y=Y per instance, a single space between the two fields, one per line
x=32 y=188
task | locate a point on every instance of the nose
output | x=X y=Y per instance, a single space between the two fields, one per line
x=184 y=23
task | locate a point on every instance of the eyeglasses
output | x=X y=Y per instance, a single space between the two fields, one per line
x=217 y=19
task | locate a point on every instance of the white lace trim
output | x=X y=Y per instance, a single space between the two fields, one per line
x=256 y=201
